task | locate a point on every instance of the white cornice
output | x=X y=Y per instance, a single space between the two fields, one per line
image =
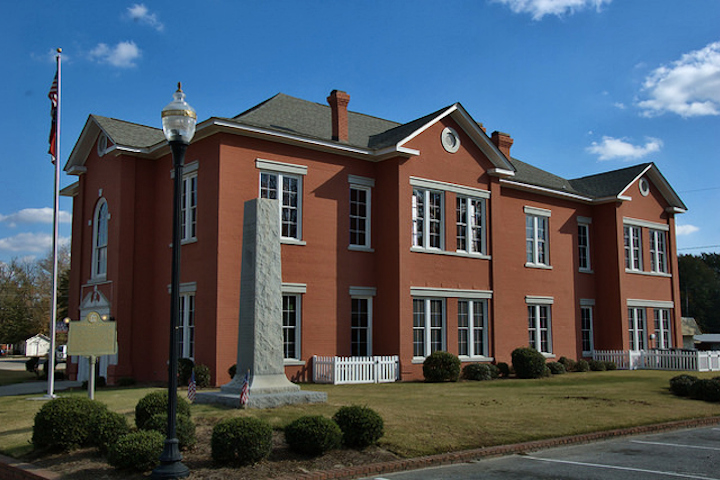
x=544 y=190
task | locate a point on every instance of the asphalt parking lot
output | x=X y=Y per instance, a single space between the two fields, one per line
x=683 y=454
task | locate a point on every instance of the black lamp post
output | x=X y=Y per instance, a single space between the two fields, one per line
x=178 y=121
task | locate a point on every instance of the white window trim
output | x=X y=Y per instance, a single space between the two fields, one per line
x=535 y=213
x=540 y=212
x=536 y=304
x=635 y=331
x=430 y=292
x=363 y=291
x=658 y=265
x=187 y=177
x=463 y=190
x=358 y=181
x=427 y=330
x=369 y=299
x=640 y=303
x=659 y=342
x=632 y=248
x=474 y=356
x=184 y=321
x=280 y=167
x=585 y=222
x=425 y=247
x=298 y=328
x=94 y=275
x=469 y=226
x=590 y=306
x=637 y=222
x=293 y=288
x=368 y=218
x=281 y=175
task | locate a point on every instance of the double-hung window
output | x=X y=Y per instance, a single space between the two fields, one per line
x=360 y=211
x=470 y=224
x=537 y=237
x=586 y=326
x=658 y=251
x=427 y=214
x=633 y=247
x=539 y=311
x=428 y=326
x=361 y=327
x=186 y=330
x=637 y=328
x=472 y=328
x=100 y=240
x=291 y=326
x=663 y=336
x=283 y=182
x=584 y=244
x=188 y=208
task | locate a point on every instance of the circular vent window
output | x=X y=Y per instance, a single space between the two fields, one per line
x=644 y=187
x=450 y=140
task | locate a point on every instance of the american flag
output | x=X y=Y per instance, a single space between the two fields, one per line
x=53 y=96
x=192 y=387
x=245 y=390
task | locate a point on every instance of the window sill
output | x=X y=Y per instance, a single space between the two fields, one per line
x=291 y=241
x=539 y=266
x=360 y=248
x=548 y=355
x=464 y=358
x=436 y=251
x=650 y=274
x=97 y=280
x=418 y=360
x=585 y=270
x=291 y=362
x=188 y=241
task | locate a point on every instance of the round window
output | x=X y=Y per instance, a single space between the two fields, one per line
x=102 y=144
x=450 y=140
x=644 y=187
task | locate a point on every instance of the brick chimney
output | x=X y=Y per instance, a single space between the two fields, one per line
x=338 y=101
x=503 y=142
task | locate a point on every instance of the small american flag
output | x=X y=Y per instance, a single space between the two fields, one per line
x=245 y=390
x=53 y=96
x=192 y=386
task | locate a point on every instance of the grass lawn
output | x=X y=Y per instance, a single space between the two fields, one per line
x=423 y=419
x=8 y=377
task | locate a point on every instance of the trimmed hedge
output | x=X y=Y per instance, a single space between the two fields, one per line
x=157 y=402
x=361 y=426
x=313 y=435
x=568 y=363
x=480 y=371
x=680 y=384
x=504 y=369
x=65 y=423
x=582 y=366
x=441 y=367
x=185 y=368
x=528 y=363
x=705 y=389
x=556 y=368
x=138 y=451
x=106 y=428
x=184 y=428
x=202 y=375
x=597 y=366
x=241 y=441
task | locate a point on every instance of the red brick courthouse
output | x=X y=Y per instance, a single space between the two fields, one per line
x=397 y=239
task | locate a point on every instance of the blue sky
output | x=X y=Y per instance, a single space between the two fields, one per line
x=583 y=86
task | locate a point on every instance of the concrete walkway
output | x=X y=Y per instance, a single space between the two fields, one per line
x=30 y=388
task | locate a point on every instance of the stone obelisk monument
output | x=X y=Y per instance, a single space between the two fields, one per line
x=260 y=337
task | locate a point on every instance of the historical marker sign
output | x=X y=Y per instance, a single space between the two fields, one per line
x=92 y=336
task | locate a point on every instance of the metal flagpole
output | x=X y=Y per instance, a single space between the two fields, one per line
x=56 y=217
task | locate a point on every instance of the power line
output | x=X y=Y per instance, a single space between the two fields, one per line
x=698 y=248
x=699 y=190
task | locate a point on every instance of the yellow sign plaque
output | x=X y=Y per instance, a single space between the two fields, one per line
x=92 y=335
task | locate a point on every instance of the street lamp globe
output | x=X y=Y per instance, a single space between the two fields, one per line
x=179 y=119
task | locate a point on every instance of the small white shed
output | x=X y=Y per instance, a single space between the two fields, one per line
x=37 y=346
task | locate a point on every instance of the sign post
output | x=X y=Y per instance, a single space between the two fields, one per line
x=91 y=337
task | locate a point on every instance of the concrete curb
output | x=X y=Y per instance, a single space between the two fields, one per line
x=12 y=469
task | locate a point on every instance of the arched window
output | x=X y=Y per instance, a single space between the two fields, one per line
x=100 y=239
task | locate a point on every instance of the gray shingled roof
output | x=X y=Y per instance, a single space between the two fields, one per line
x=129 y=134
x=526 y=173
x=291 y=115
x=608 y=184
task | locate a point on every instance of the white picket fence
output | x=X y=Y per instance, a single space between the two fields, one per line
x=340 y=370
x=690 y=360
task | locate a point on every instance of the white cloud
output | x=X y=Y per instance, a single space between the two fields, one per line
x=29 y=242
x=140 y=13
x=685 y=229
x=122 y=55
x=34 y=215
x=619 y=105
x=612 y=148
x=539 y=8
x=689 y=87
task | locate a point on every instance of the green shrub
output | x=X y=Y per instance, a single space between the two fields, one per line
x=137 y=451
x=100 y=382
x=64 y=423
x=680 y=384
x=568 y=363
x=597 y=366
x=106 y=428
x=157 y=402
x=705 y=389
x=528 y=363
x=361 y=426
x=480 y=371
x=582 y=366
x=556 y=368
x=184 y=428
x=232 y=370
x=202 y=375
x=441 y=367
x=313 y=435
x=31 y=365
x=504 y=369
x=185 y=368
x=610 y=365
x=241 y=441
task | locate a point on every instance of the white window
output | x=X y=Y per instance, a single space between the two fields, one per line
x=539 y=328
x=586 y=328
x=633 y=247
x=472 y=328
x=663 y=334
x=637 y=328
x=470 y=224
x=188 y=229
x=288 y=190
x=291 y=326
x=584 y=246
x=361 y=327
x=428 y=326
x=427 y=212
x=537 y=236
x=658 y=251
x=186 y=330
x=360 y=216
x=100 y=240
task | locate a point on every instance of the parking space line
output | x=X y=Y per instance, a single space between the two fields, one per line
x=699 y=447
x=616 y=467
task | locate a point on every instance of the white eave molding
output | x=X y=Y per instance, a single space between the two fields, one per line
x=544 y=190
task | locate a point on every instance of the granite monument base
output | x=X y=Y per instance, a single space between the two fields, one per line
x=262 y=400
